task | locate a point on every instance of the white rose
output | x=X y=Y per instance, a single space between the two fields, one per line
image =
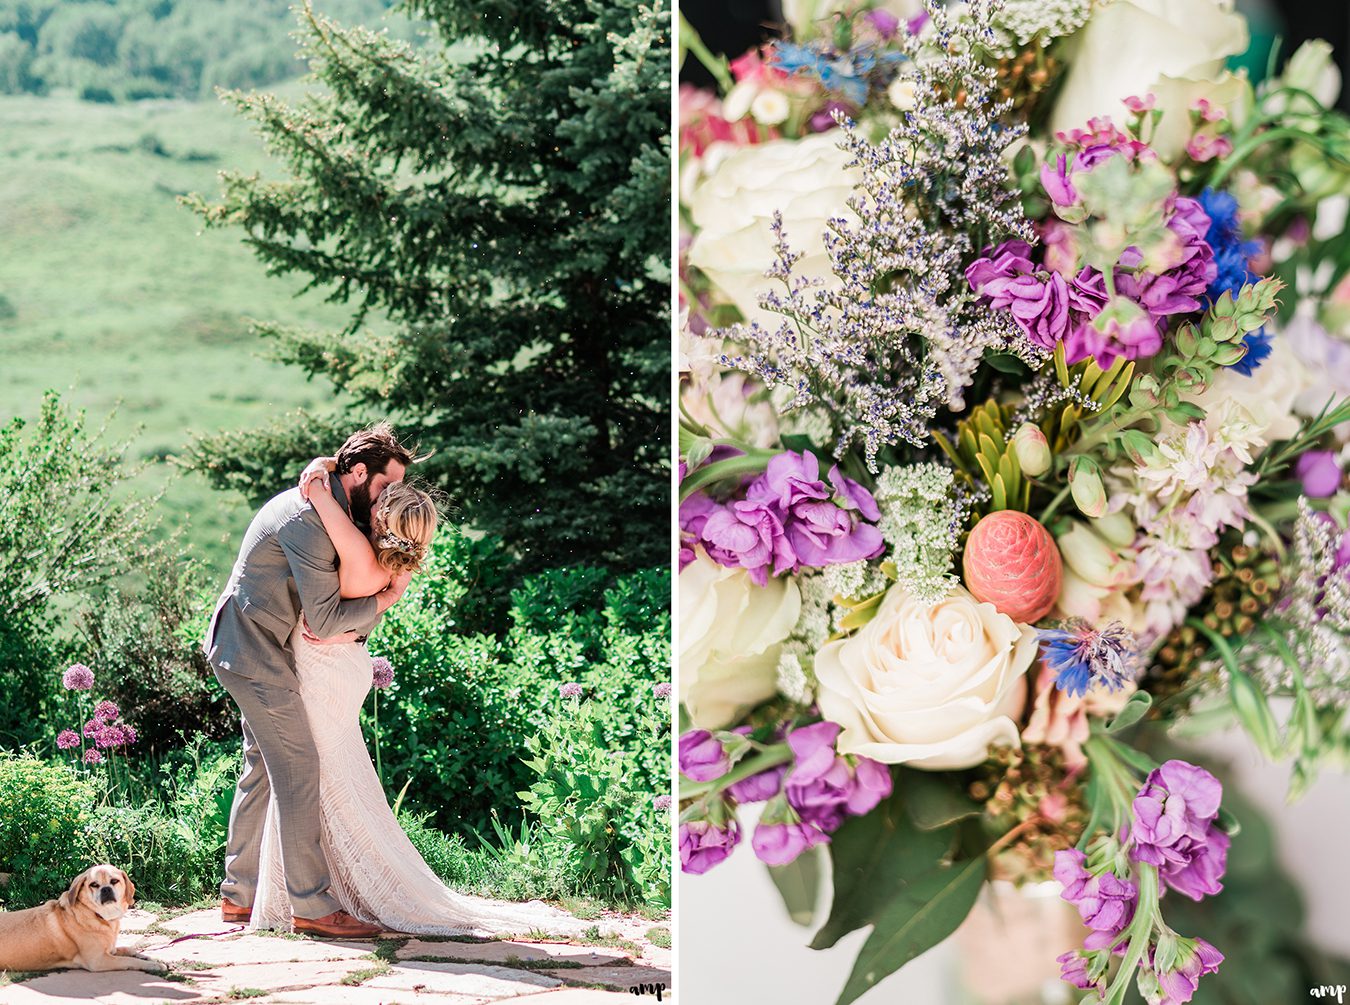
x=1129 y=45
x=733 y=206
x=730 y=635
x=932 y=687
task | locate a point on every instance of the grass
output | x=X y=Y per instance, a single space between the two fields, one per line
x=112 y=295
x=366 y=973
x=659 y=937
x=236 y=993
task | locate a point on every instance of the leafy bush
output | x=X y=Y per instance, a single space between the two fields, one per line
x=46 y=837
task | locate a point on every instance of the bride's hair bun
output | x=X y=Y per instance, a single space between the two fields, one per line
x=405 y=524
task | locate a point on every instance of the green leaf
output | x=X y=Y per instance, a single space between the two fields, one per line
x=798 y=884
x=922 y=914
x=1135 y=709
x=873 y=856
x=1253 y=711
x=799 y=443
x=933 y=803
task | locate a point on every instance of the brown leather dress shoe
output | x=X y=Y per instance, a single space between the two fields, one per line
x=338 y=925
x=234 y=914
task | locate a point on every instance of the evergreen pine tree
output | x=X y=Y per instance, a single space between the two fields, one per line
x=499 y=193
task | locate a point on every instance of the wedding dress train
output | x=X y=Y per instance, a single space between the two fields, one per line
x=377 y=875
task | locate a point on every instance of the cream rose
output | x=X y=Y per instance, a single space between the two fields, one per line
x=732 y=209
x=1130 y=45
x=933 y=687
x=730 y=636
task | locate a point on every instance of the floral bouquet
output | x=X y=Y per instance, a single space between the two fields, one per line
x=1016 y=355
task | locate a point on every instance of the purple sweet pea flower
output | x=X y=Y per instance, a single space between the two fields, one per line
x=703 y=844
x=1319 y=472
x=778 y=843
x=702 y=756
x=1105 y=902
x=1174 y=828
x=1178 y=986
x=758 y=788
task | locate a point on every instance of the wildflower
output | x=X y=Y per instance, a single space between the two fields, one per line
x=128 y=734
x=109 y=737
x=570 y=690
x=381 y=672
x=92 y=756
x=106 y=711
x=661 y=802
x=1082 y=656
x=1174 y=828
x=91 y=728
x=67 y=739
x=662 y=690
x=78 y=678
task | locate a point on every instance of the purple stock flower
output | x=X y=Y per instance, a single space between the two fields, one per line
x=758 y=788
x=780 y=842
x=694 y=513
x=1105 y=902
x=67 y=739
x=825 y=523
x=78 y=678
x=1178 y=986
x=1319 y=473
x=822 y=787
x=702 y=756
x=703 y=844
x=885 y=23
x=750 y=535
x=1073 y=968
x=381 y=672
x=1174 y=828
x=1038 y=300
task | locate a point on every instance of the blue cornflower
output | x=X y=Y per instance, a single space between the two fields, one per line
x=1231 y=254
x=1082 y=656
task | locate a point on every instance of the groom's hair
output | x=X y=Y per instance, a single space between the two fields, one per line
x=375 y=446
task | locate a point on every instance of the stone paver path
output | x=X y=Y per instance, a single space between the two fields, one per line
x=212 y=962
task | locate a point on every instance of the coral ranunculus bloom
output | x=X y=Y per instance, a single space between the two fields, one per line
x=1011 y=561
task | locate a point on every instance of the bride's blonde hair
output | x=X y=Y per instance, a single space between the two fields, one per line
x=404 y=521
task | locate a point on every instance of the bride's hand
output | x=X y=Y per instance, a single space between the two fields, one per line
x=316 y=472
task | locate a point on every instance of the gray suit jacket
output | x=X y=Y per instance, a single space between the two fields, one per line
x=286 y=565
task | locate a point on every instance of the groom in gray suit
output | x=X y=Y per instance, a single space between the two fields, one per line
x=287 y=568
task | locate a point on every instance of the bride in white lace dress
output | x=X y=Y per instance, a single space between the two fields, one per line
x=377 y=875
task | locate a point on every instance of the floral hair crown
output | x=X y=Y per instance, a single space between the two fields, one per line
x=394 y=541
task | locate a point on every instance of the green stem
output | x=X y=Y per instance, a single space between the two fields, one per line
x=752 y=462
x=1141 y=933
x=1244 y=150
x=1049 y=511
x=715 y=65
x=379 y=769
x=770 y=758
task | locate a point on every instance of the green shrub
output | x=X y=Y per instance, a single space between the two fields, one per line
x=46 y=827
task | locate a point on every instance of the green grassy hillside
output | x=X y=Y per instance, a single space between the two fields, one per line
x=110 y=294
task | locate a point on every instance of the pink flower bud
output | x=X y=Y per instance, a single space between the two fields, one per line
x=1011 y=562
x=1085 y=485
x=1032 y=450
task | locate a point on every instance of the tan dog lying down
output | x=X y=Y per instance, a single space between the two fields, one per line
x=78 y=930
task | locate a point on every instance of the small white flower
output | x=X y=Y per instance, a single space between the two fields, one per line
x=901 y=93
x=770 y=107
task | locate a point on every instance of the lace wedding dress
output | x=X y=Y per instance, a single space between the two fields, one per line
x=377 y=874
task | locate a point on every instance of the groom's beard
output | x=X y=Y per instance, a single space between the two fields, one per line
x=359 y=498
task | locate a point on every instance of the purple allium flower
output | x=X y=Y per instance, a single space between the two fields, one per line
x=702 y=757
x=759 y=787
x=822 y=787
x=661 y=802
x=381 y=672
x=91 y=728
x=570 y=690
x=1319 y=473
x=109 y=737
x=1105 y=902
x=1178 y=986
x=1174 y=828
x=78 y=678
x=67 y=739
x=703 y=844
x=662 y=690
x=128 y=734
x=92 y=756
x=106 y=711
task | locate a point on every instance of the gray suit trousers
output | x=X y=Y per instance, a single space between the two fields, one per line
x=279 y=757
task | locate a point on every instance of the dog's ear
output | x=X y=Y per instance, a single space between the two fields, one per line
x=71 y=897
x=130 y=889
